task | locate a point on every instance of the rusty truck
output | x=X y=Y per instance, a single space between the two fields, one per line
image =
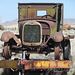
x=40 y=32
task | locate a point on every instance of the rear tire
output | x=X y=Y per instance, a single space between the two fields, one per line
x=66 y=52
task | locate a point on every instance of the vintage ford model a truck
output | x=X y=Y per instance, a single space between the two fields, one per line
x=40 y=31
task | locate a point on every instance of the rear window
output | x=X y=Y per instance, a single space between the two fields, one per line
x=41 y=12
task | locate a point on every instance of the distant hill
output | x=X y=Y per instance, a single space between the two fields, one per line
x=15 y=21
x=69 y=21
x=12 y=22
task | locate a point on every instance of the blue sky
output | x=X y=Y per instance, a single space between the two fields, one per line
x=9 y=8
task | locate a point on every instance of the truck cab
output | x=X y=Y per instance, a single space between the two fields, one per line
x=38 y=21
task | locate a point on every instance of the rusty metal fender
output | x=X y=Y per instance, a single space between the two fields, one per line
x=6 y=36
x=57 y=36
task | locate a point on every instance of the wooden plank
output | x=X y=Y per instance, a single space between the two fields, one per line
x=9 y=64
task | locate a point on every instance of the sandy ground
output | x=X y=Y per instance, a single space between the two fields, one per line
x=65 y=32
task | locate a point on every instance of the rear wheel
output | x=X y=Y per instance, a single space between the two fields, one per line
x=66 y=52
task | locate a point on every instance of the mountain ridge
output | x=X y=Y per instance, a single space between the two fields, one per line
x=69 y=21
x=15 y=21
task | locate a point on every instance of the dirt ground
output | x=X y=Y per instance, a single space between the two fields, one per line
x=65 y=32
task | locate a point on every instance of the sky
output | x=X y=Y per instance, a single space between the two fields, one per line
x=9 y=8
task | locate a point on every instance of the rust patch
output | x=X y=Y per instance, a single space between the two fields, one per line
x=6 y=36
